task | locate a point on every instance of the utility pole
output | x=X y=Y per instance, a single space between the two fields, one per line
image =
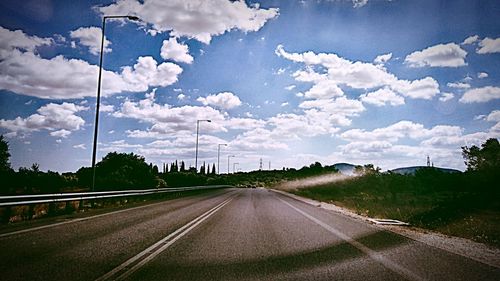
x=260 y=165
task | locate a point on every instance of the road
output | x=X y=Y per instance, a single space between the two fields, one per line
x=231 y=234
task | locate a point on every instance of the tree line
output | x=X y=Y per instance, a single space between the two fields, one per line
x=118 y=171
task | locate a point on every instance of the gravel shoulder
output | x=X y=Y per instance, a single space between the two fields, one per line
x=477 y=251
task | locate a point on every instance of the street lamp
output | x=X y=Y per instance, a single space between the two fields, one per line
x=94 y=150
x=229 y=156
x=218 y=156
x=234 y=164
x=197 y=133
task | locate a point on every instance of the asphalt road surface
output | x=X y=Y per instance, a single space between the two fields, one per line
x=232 y=234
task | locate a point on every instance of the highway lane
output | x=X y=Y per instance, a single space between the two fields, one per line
x=86 y=249
x=246 y=234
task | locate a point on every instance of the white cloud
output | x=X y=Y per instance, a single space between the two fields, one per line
x=483 y=94
x=194 y=19
x=257 y=140
x=494 y=116
x=356 y=75
x=323 y=90
x=181 y=97
x=11 y=40
x=458 y=85
x=425 y=88
x=480 y=117
x=106 y=108
x=482 y=75
x=359 y=3
x=80 y=146
x=171 y=49
x=340 y=106
x=284 y=104
x=280 y=71
x=470 y=40
x=58 y=118
x=488 y=46
x=294 y=126
x=441 y=55
x=446 y=97
x=168 y=120
x=400 y=130
x=224 y=100
x=25 y=72
x=244 y=123
x=91 y=37
x=381 y=59
x=60 y=133
x=382 y=97
x=289 y=88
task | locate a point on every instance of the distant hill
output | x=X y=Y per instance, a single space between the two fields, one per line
x=412 y=170
x=345 y=168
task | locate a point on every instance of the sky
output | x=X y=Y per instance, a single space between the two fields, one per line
x=288 y=82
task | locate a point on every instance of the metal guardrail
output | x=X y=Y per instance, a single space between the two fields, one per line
x=16 y=200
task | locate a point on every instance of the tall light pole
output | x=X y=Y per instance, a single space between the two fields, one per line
x=234 y=165
x=94 y=150
x=218 y=156
x=229 y=156
x=197 y=133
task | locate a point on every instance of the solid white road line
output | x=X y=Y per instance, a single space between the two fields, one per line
x=133 y=264
x=77 y=220
x=371 y=253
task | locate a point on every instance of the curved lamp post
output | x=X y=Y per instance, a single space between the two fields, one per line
x=197 y=133
x=229 y=156
x=94 y=150
x=218 y=156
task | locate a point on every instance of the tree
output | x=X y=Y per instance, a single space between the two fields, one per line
x=183 y=166
x=202 y=169
x=213 y=170
x=4 y=155
x=486 y=158
x=124 y=171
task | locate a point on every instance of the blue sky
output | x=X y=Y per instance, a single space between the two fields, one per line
x=291 y=82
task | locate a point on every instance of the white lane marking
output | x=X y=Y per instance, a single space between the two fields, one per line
x=126 y=268
x=76 y=220
x=371 y=253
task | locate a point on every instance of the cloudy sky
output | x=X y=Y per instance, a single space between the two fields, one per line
x=291 y=82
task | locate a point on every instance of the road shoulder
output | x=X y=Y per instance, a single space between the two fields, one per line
x=470 y=249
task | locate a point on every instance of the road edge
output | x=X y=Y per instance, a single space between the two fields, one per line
x=460 y=246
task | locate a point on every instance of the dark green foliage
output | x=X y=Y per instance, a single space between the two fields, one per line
x=4 y=155
x=32 y=180
x=119 y=171
x=485 y=159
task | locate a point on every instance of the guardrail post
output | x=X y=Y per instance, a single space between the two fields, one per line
x=31 y=211
x=7 y=213
x=52 y=208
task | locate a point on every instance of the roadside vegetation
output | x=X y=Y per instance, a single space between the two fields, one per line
x=459 y=204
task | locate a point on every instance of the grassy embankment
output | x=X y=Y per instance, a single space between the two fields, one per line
x=465 y=205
